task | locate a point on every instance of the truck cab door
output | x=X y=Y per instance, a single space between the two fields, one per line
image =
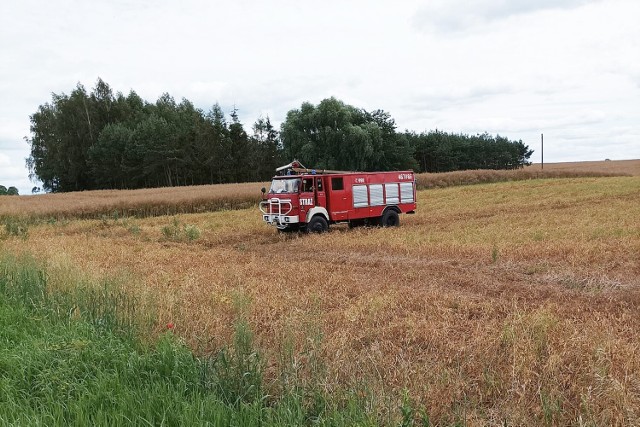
x=339 y=204
x=321 y=196
x=307 y=197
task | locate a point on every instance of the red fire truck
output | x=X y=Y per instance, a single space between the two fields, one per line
x=310 y=200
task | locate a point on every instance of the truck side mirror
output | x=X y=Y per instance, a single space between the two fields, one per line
x=264 y=190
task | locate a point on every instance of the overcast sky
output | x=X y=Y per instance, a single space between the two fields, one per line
x=567 y=68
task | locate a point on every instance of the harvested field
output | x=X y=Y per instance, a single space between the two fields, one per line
x=470 y=177
x=510 y=303
x=629 y=167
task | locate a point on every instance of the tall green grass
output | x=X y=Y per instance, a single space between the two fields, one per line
x=74 y=357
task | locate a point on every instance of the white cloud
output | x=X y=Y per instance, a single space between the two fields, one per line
x=12 y=132
x=12 y=173
x=568 y=68
x=462 y=15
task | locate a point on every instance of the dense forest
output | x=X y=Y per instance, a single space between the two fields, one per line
x=101 y=140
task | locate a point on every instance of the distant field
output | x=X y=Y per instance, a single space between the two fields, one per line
x=142 y=203
x=510 y=303
x=630 y=167
x=210 y=198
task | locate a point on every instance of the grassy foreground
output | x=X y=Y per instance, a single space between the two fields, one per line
x=73 y=358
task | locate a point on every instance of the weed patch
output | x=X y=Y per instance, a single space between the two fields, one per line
x=179 y=232
x=15 y=227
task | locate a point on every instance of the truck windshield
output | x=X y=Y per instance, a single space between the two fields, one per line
x=289 y=185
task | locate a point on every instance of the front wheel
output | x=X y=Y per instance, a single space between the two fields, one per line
x=317 y=225
x=390 y=218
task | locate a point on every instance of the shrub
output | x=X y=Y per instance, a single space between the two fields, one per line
x=177 y=232
x=15 y=227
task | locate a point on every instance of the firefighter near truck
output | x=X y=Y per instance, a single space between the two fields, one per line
x=310 y=200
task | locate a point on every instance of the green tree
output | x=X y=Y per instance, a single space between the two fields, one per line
x=153 y=153
x=212 y=146
x=239 y=154
x=62 y=133
x=334 y=135
x=188 y=122
x=12 y=191
x=44 y=161
x=266 y=150
x=106 y=155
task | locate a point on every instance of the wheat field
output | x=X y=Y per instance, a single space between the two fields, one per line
x=210 y=198
x=512 y=302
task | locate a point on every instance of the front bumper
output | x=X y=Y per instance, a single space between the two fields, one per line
x=280 y=221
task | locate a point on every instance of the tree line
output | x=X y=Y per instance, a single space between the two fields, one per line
x=106 y=140
x=437 y=151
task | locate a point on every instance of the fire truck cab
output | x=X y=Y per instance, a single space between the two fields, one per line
x=310 y=200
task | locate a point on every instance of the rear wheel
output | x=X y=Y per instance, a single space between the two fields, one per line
x=317 y=225
x=390 y=218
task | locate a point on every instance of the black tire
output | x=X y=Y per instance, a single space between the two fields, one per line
x=317 y=225
x=390 y=218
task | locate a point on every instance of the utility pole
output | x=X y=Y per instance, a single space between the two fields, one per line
x=542 y=151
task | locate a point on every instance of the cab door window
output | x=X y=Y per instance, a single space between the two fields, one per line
x=307 y=185
x=337 y=184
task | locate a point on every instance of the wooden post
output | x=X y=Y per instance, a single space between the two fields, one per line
x=542 y=151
